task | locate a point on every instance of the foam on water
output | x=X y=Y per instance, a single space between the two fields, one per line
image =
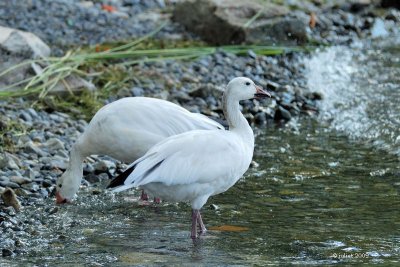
x=361 y=90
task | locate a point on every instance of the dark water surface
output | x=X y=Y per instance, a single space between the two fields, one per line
x=315 y=198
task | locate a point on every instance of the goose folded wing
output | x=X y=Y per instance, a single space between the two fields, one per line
x=192 y=157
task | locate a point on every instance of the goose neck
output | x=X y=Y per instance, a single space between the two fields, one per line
x=236 y=121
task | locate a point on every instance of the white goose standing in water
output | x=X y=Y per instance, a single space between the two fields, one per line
x=195 y=165
x=125 y=130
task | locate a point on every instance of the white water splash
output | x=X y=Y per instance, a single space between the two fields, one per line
x=361 y=90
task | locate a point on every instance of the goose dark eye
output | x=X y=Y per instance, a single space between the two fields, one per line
x=247 y=83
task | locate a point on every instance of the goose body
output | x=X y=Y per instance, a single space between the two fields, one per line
x=195 y=165
x=125 y=130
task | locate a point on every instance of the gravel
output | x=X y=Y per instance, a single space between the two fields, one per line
x=44 y=138
x=66 y=23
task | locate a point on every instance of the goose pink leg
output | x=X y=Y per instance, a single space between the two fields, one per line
x=201 y=224
x=196 y=219
x=144 y=196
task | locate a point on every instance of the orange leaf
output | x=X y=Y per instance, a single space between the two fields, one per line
x=229 y=228
x=313 y=20
x=108 y=8
x=101 y=48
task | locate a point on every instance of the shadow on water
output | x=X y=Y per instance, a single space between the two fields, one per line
x=315 y=198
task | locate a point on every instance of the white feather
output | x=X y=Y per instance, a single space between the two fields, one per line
x=125 y=130
x=195 y=165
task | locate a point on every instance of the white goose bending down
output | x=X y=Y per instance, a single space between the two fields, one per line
x=125 y=130
x=195 y=165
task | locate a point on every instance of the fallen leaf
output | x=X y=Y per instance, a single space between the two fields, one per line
x=229 y=228
x=313 y=20
x=108 y=8
x=102 y=48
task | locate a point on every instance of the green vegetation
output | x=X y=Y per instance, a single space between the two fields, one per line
x=109 y=67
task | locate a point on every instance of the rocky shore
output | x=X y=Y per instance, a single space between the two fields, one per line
x=35 y=141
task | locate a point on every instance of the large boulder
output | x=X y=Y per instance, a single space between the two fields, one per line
x=17 y=46
x=221 y=22
x=23 y=44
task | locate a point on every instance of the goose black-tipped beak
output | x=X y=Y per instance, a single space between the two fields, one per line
x=260 y=93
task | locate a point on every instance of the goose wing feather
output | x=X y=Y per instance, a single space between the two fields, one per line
x=189 y=158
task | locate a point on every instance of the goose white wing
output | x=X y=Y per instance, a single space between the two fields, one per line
x=192 y=157
x=155 y=116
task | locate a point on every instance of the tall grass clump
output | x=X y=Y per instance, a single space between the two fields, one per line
x=54 y=70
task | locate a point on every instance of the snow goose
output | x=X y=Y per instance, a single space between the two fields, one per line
x=125 y=130
x=195 y=165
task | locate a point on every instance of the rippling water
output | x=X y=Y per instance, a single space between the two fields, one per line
x=317 y=196
x=361 y=89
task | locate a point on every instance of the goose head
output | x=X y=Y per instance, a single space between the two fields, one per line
x=242 y=88
x=66 y=188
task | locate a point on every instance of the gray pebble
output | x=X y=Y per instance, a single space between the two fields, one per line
x=9 y=161
x=20 y=180
x=104 y=166
x=31 y=187
x=30 y=147
x=282 y=113
x=9 y=184
x=25 y=116
x=54 y=144
x=137 y=91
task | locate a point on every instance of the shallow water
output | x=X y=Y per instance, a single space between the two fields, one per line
x=322 y=194
x=315 y=198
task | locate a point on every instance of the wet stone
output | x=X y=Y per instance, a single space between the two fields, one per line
x=30 y=174
x=282 y=114
x=31 y=187
x=43 y=192
x=47 y=183
x=54 y=144
x=20 y=180
x=104 y=166
x=6 y=252
x=52 y=210
x=10 y=199
x=260 y=118
x=58 y=164
x=25 y=116
x=9 y=161
x=30 y=147
x=88 y=168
